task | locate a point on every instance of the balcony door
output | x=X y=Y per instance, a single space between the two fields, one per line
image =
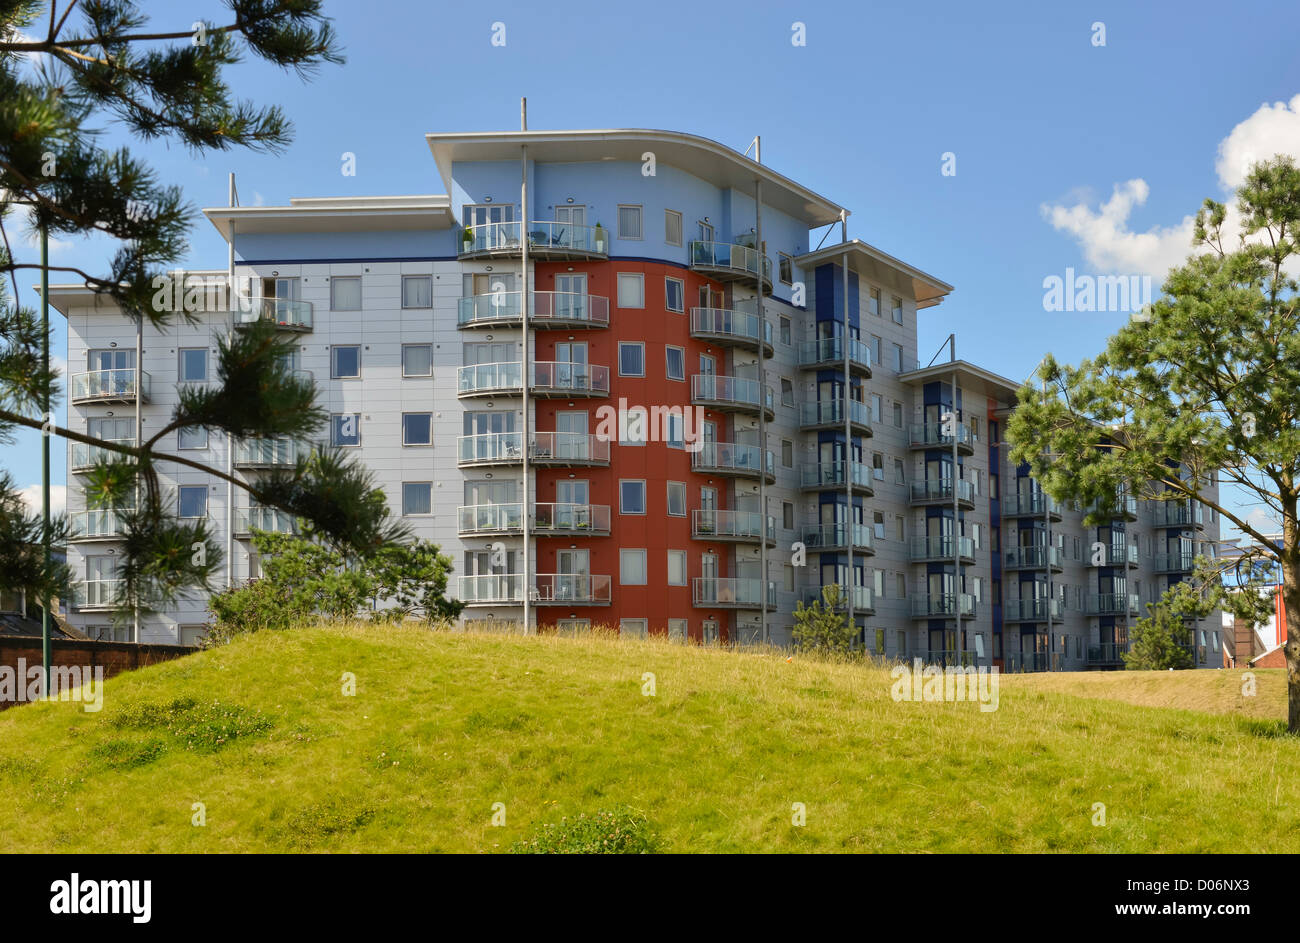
x=573 y=574
x=571 y=365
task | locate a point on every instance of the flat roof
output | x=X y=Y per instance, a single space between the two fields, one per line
x=335 y=214
x=969 y=377
x=705 y=158
x=882 y=268
x=66 y=294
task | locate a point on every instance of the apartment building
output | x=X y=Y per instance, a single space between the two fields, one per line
x=472 y=346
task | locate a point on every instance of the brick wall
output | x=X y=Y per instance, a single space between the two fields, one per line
x=113 y=657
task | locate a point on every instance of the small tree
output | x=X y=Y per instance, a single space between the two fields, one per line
x=1161 y=641
x=821 y=627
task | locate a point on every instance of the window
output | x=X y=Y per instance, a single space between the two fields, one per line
x=878 y=583
x=631 y=290
x=787 y=453
x=878 y=524
x=898 y=415
x=417 y=497
x=672 y=227
x=677 y=630
x=417 y=360
x=633 y=628
x=787 y=337
x=629 y=221
x=896 y=309
x=900 y=475
x=192 y=501
x=877 y=349
x=787 y=578
x=345 y=294
x=631 y=359
x=193 y=366
x=902 y=525
x=631 y=567
x=417 y=291
x=787 y=392
x=873 y=303
x=192 y=438
x=974 y=423
x=676 y=499
x=976 y=533
x=977 y=589
x=785 y=268
x=417 y=428
x=675 y=295
x=877 y=466
x=675 y=363
x=898 y=358
x=787 y=515
x=631 y=497
x=345 y=429
x=676 y=567
x=345 y=362
x=877 y=408
x=676 y=432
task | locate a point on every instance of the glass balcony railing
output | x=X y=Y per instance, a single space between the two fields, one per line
x=572 y=589
x=932 y=436
x=286 y=313
x=483 y=379
x=1107 y=653
x=940 y=549
x=1184 y=513
x=1030 y=610
x=545 y=238
x=942 y=606
x=249 y=520
x=1178 y=561
x=945 y=658
x=831 y=413
x=1123 y=505
x=1035 y=504
x=727 y=325
x=576 y=519
x=548 y=309
x=109 y=386
x=929 y=491
x=1032 y=558
x=84 y=457
x=99 y=524
x=863 y=599
x=1111 y=604
x=549 y=378
x=97 y=594
x=549 y=448
x=505 y=518
x=831 y=475
x=268 y=453
x=729 y=261
x=492 y=589
x=732 y=593
x=731 y=525
x=1123 y=554
x=738 y=393
x=729 y=458
x=829 y=352
x=827 y=536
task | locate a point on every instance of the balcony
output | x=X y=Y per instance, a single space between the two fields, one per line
x=732 y=327
x=492 y=590
x=728 y=262
x=732 y=526
x=551 y=380
x=1031 y=505
x=836 y=537
x=943 y=606
x=571 y=520
x=97 y=595
x=287 y=314
x=931 y=436
x=547 y=239
x=949 y=658
x=268 y=454
x=731 y=460
x=550 y=310
x=1108 y=653
x=94 y=525
x=864 y=602
x=1184 y=513
x=732 y=395
x=571 y=589
x=708 y=592
x=940 y=550
x=823 y=476
x=552 y=449
x=1033 y=558
x=250 y=520
x=829 y=414
x=85 y=457
x=1029 y=662
x=1124 y=555
x=929 y=492
x=828 y=353
x=1179 y=561
x=1031 y=610
x=1111 y=604
x=480 y=520
x=108 y=386
x=1123 y=507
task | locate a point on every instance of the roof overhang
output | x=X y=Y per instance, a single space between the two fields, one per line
x=335 y=214
x=883 y=269
x=702 y=157
x=969 y=377
x=64 y=297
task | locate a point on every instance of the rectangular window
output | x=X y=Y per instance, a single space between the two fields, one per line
x=787 y=335
x=675 y=295
x=675 y=363
x=900 y=474
x=631 y=290
x=192 y=501
x=676 y=499
x=902 y=524
x=193 y=366
x=631 y=496
x=676 y=567
x=787 y=453
x=629 y=221
x=787 y=392
x=677 y=630
x=977 y=589
x=631 y=567
x=900 y=586
x=898 y=415
x=345 y=361
x=877 y=349
x=417 y=360
x=192 y=438
x=672 y=227
x=877 y=408
x=345 y=429
x=878 y=583
x=787 y=515
x=417 y=498
x=896 y=309
x=898 y=358
x=631 y=359
x=785 y=268
x=877 y=466
x=873 y=303
x=787 y=578
x=345 y=294
x=417 y=428
x=878 y=524
x=417 y=291
x=634 y=628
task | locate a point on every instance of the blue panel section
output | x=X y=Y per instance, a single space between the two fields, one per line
x=330 y=246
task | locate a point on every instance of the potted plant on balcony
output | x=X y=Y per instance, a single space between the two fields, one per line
x=467 y=237
x=600 y=237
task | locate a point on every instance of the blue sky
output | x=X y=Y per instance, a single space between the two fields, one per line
x=1036 y=114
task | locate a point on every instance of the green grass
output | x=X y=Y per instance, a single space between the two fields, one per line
x=443 y=726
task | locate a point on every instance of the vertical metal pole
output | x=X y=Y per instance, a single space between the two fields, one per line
x=762 y=403
x=955 y=534
x=139 y=437
x=46 y=601
x=230 y=441
x=848 y=434
x=527 y=370
x=1047 y=555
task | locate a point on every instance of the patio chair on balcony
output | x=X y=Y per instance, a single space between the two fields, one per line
x=557 y=239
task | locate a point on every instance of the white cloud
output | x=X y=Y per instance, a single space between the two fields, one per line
x=1108 y=242
x=32 y=496
x=259 y=200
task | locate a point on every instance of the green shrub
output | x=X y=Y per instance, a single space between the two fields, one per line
x=201 y=726
x=621 y=832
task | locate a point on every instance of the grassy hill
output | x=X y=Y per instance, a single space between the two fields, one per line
x=442 y=726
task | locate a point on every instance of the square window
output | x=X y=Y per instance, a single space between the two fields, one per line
x=629 y=221
x=631 y=290
x=677 y=630
x=417 y=291
x=345 y=293
x=417 y=360
x=634 y=628
x=631 y=567
x=631 y=359
x=193 y=366
x=675 y=358
x=676 y=567
x=631 y=497
x=676 y=499
x=192 y=501
x=345 y=362
x=192 y=438
x=672 y=227
x=417 y=498
x=345 y=429
x=674 y=295
x=417 y=428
